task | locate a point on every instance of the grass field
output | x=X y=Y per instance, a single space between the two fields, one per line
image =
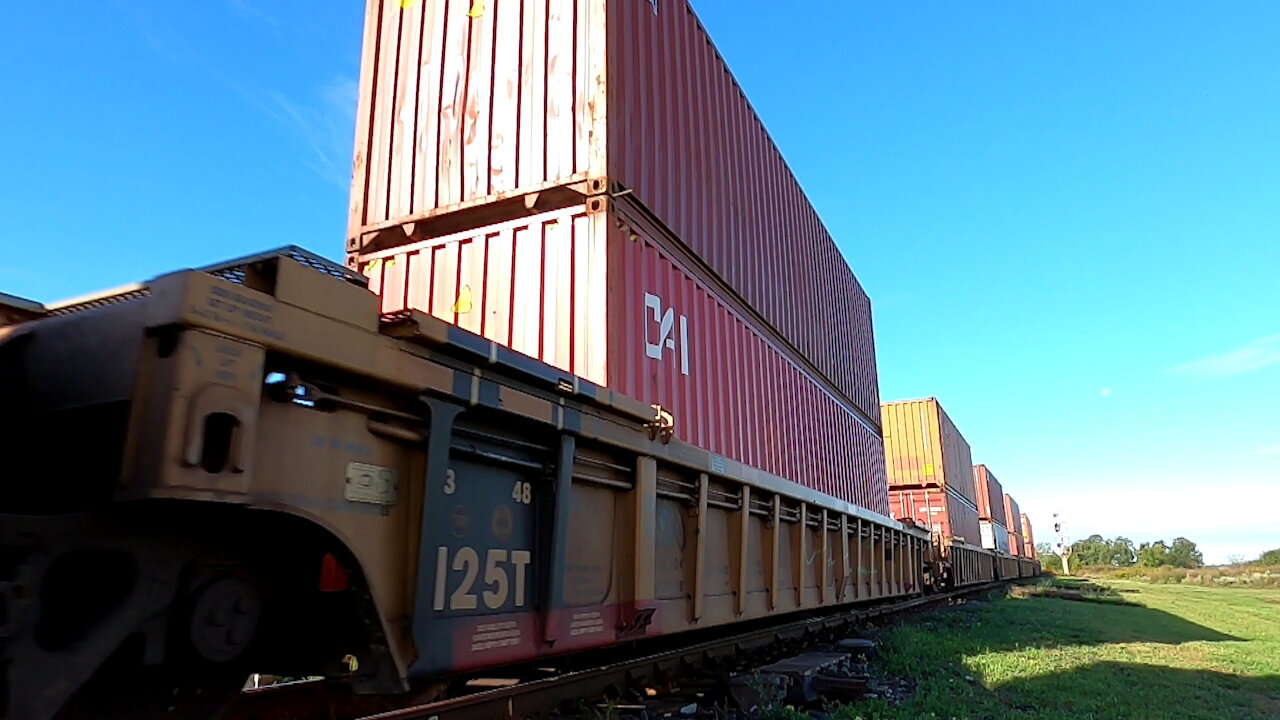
x=1167 y=651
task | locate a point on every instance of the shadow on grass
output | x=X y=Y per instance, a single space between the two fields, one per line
x=949 y=654
x=1136 y=690
x=1049 y=622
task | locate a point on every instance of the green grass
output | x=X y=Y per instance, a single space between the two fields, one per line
x=1173 y=651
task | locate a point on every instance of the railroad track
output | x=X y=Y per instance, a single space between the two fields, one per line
x=535 y=697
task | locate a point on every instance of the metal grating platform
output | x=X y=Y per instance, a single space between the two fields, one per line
x=233 y=270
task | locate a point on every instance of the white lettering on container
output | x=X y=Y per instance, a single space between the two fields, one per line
x=665 y=319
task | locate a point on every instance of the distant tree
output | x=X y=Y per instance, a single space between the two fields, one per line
x=1093 y=550
x=1123 y=554
x=1270 y=557
x=1098 y=551
x=1153 y=554
x=1184 y=554
x=1235 y=559
x=1049 y=557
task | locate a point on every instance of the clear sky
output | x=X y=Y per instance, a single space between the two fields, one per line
x=1067 y=214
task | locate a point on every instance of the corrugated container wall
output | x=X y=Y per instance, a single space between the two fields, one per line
x=943 y=512
x=1015 y=535
x=923 y=448
x=994 y=535
x=476 y=113
x=987 y=487
x=1028 y=538
x=597 y=292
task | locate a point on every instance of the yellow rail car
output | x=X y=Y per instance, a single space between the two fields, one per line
x=247 y=469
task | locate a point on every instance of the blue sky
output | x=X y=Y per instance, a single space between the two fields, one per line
x=1067 y=215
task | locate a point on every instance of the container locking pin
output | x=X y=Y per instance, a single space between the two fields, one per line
x=663 y=425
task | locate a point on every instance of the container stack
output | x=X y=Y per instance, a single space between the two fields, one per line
x=930 y=470
x=585 y=182
x=1028 y=539
x=992 y=520
x=1016 y=544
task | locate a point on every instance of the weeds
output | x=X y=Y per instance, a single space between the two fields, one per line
x=1068 y=589
x=1237 y=576
x=608 y=712
x=771 y=697
x=782 y=712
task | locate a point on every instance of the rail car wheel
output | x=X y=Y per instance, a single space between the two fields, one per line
x=224 y=619
x=161 y=613
x=207 y=640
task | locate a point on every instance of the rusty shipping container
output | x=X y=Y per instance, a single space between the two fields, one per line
x=994 y=535
x=987 y=487
x=1015 y=536
x=944 y=512
x=474 y=113
x=1028 y=538
x=923 y=448
x=596 y=291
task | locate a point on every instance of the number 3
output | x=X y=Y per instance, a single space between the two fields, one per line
x=450 y=481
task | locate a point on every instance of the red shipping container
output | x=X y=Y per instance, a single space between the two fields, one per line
x=987 y=487
x=945 y=513
x=598 y=293
x=1028 y=538
x=1015 y=537
x=475 y=113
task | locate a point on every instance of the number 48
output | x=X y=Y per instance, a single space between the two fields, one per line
x=522 y=492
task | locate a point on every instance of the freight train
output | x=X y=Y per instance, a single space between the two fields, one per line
x=248 y=467
x=560 y=398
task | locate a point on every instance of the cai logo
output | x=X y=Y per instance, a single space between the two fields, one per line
x=660 y=332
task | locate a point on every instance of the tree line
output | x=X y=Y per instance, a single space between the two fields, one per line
x=1097 y=551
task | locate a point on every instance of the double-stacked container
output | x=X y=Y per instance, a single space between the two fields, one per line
x=991 y=517
x=930 y=470
x=1028 y=538
x=1016 y=544
x=585 y=182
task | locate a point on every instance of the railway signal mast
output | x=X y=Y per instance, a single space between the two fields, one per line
x=1064 y=542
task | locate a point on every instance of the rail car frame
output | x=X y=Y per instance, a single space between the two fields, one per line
x=247 y=468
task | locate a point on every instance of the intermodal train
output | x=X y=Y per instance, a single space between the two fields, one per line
x=593 y=373
x=248 y=467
